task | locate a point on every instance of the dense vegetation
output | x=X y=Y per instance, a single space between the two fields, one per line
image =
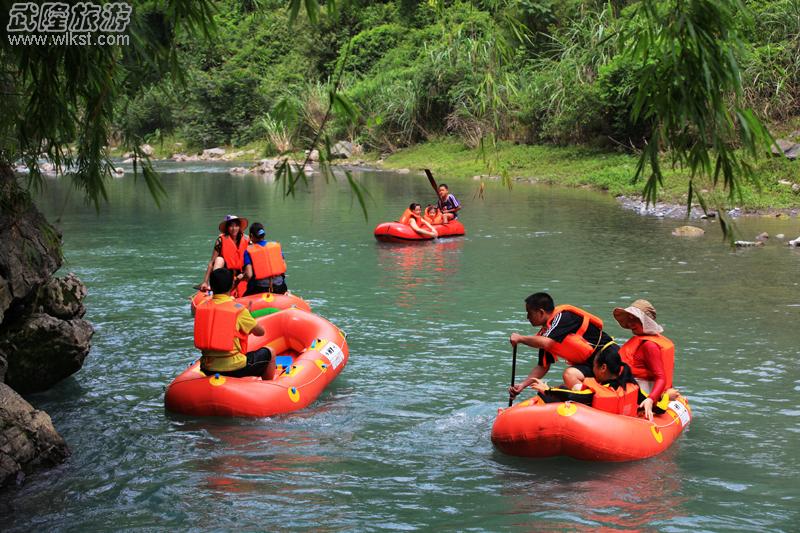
x=528 y=71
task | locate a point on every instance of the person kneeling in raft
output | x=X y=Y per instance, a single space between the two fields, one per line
x=221 y=328
x=567 y=332
x=650 y=355
x=413 y=217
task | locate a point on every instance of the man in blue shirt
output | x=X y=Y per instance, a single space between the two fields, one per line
x=274 y=284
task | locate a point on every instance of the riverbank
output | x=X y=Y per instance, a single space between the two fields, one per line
x=586 y=167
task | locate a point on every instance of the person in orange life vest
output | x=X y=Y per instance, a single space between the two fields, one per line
x=432 y=215
x=609 y=371
x=413 y=217
x=276 y=283
x=649 y=354
x=236 y=362
x=566 y=332
x=229 y=248
x=448 y=204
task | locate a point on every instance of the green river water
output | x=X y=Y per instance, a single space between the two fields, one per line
x=400 y=441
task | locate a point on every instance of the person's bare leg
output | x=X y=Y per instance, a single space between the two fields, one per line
x=573 y=378
x=269 y=373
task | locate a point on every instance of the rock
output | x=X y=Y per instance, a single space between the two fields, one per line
x=237 y=170
x=745 y=244
x=796 y=187
x=794 y=243
x=127 y=155
x=212 y=153
x=780 y=236
x=403 y=171
x=313 y=156
x=42 y=350
x=762 y=236
x=688 y=231
x=119 y=171
x=129 y=161
x=786 y=148
x=147 y=150
x=28 y=439
x=30 y=248
x=345 y=150
x=62 y=297
x=784 y=182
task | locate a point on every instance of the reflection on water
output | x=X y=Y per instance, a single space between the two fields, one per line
x=418 y=273
x=400 y=441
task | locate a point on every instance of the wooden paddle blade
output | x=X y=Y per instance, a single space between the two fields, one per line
x=431 y=179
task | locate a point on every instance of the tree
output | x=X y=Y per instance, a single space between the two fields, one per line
x=58 y=101
x=689 y=91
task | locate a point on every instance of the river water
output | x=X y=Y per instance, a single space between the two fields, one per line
x=401 y=440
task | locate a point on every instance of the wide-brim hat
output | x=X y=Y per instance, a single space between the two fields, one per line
x=644 y=312
x=224 y=224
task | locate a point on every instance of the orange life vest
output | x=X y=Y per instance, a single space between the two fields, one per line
x=406 y=217
x=618 y=401
x=434 y=220
x=629 y=350
x=267 y=260
x=215 y=326
x=232 y=254
x=574 y=348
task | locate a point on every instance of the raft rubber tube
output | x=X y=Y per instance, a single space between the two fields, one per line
x=261 y=304
x=396 y=232
x=536 y=429
x=310 y=351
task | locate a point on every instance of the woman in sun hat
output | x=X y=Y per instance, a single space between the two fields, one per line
x=229 y=250
x=650 y=355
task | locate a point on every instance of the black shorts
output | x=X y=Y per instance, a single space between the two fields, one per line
x=257 y=362
x=254 y=288
x=586 y=368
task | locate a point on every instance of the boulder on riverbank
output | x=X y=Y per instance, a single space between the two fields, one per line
x=28 y=439
x=43 y=337
x=688 y=231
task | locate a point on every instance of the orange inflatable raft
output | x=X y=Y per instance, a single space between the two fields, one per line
x=261 y=304
x=397 y=232
x=536 y=429
x=310 y=351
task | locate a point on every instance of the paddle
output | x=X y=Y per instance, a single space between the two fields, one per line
x=430 y=179
x=513 y=374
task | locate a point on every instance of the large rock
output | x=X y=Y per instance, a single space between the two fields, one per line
x=62 y=297
x=345 y=150
x=786 y=148
x=688 y=231
x=28 y=439
x=30 y=248
x=42 y=350
x=212 y=153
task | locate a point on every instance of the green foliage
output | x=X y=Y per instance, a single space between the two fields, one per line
x=689 y=91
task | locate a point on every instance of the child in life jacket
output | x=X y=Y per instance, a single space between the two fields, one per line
x=612 y=389
x=433 y=215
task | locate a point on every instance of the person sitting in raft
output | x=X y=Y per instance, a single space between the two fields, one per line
x=225 y=348
x=229 y=248
x=264 y=266
x=413 y=217
x=432 y=214
x=566 y=331
x=612 y=389
x=650 y=355
x=448 y=204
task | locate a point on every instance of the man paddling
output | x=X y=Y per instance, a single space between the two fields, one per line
x=567 y=332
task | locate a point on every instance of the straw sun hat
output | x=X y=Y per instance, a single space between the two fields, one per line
x=644 y=312
x=224 y=224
